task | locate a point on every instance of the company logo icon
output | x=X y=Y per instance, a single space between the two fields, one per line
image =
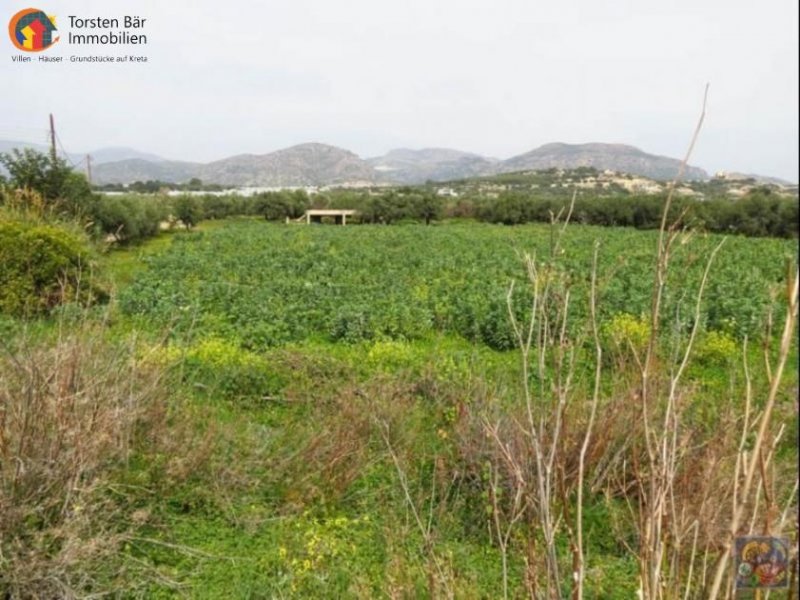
x=32 y=30
x=762 y=562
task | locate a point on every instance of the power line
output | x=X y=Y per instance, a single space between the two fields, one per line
x=47 y=135
x=66 y=154
x=52 y=139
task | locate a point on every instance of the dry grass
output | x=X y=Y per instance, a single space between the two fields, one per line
x=72 y=413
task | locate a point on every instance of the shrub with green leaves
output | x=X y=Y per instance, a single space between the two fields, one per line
x=128 y=218
x=188 y=210
x=42 y=267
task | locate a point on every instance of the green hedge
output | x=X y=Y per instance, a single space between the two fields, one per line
x=760 y=213
x=42 y=266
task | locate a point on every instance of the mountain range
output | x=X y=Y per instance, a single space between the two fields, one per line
x=315 y=164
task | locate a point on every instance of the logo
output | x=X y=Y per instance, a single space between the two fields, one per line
x=762 y=562
x=31 y=30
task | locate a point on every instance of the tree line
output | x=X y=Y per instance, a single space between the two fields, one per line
x=761 y=212
x=129 y=217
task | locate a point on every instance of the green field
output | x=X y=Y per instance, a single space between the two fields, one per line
x=329 y=394
x=263 y=285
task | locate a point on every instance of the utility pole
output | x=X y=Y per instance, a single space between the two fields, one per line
x=53 y=154
x=89 y=168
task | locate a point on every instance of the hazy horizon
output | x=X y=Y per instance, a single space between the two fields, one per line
x=495 y=80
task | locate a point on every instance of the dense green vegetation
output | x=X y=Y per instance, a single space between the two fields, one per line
x=265 y=285
x=759 y=213
x=155 y=186
x=44 y=266
x=59 y=186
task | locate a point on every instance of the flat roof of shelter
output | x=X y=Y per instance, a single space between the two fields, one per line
x=329 y=212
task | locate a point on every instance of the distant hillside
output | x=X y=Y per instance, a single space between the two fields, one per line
x=137 y=169
x=114 y=154
x=8 y=145
x=616 y=157
x=304 y=164
x=758 y=179
x=437 y=164
x=430 y=164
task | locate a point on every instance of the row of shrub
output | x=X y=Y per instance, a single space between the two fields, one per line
x=386 y=206
x=759 y=213
x=131 y=218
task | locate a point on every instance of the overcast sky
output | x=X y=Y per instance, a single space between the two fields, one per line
x=497 y=78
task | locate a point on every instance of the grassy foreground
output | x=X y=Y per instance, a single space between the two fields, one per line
x=270 y=411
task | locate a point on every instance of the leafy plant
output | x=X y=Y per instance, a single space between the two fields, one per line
x=43 y=266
